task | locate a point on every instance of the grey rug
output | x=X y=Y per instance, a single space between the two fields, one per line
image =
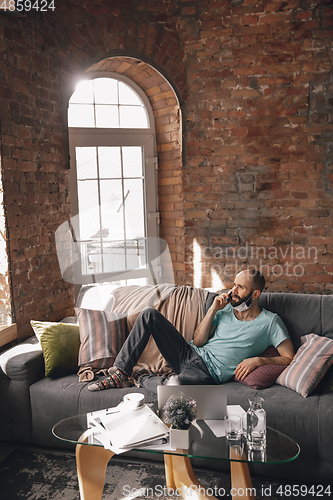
x=30 y=475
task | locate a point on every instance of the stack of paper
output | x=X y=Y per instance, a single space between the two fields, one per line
x=120 y=428
x=217 y=426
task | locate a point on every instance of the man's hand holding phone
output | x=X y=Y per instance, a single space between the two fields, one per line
x=222 y=300
x=206 y=329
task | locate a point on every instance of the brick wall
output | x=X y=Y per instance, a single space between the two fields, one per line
x=258 y=181
x=254 y=184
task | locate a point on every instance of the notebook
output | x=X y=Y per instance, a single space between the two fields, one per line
x=121 y=428
x=211 y=399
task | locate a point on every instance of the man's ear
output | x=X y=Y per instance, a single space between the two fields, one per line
x=256 y=294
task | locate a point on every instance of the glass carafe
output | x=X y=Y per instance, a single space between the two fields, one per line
x=256 y=425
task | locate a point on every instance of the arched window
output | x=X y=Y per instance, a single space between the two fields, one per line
x=113 y=177
x=107 y=103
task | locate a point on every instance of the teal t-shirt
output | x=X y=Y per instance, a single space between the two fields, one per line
x=235 y=340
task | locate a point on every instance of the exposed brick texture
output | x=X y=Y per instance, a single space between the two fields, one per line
x=258 y=185
x=252 y=181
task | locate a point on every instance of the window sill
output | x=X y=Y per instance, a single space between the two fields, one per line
x=8 y=333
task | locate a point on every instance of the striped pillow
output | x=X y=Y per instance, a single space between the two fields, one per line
x=311 y=362
x=102 y=335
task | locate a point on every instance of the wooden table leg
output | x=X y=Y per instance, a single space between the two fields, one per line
x=241 y=484
x=179 y=475
x=91 y=463
x=170 y=483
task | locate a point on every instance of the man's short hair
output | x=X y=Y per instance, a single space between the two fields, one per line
x=257 y=280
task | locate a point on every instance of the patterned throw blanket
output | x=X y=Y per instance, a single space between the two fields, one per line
x=183 y=306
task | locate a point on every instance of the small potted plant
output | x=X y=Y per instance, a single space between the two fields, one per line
x=179 y=412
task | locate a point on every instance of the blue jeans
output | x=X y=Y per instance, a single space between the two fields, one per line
x=180 y=356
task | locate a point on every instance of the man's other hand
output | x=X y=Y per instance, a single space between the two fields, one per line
x=246 y=367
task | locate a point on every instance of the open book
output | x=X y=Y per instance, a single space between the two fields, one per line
x=124 y=428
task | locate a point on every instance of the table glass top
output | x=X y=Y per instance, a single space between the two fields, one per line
x=204 y=444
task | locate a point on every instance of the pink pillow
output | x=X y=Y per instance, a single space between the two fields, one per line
x=264 y=376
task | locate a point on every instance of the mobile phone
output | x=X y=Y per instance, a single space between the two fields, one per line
x=229 y=296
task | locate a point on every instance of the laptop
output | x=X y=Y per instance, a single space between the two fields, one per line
x=211 y=399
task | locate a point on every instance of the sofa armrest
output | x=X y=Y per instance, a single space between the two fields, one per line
x=23 y=363
x=20 y=367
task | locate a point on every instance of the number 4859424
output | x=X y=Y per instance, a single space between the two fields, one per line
x=302 y=490
x=27 y=5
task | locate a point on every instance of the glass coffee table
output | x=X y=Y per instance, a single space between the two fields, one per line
x=92 y=458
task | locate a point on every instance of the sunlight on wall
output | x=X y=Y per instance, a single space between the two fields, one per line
x=197 y=264
x=217 y=283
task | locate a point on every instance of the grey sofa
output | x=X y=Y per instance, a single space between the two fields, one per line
x=31 y=404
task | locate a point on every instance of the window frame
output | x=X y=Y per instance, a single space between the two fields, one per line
x=143 y=137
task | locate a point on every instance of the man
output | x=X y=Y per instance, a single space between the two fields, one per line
x=227 y=342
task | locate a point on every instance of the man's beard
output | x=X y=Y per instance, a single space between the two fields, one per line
x=247 y=301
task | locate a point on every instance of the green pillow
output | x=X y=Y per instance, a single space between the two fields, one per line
x=60 y=345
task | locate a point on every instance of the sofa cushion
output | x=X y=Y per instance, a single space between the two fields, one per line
x=327 y=316
x=96 y=297
x=326 y=384
x=301 y=313
x=311 y=362
x=102 y=334
x=264 y=376
x=295 y=416
x=60 y=345
x=55 y=399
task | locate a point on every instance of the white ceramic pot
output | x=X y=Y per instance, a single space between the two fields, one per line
x=180 y=439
